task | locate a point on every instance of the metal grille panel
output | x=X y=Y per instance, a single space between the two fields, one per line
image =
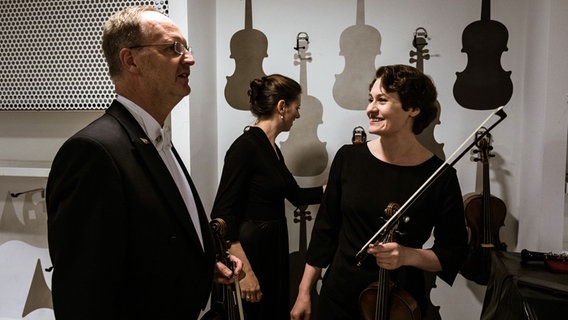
x=50 y=53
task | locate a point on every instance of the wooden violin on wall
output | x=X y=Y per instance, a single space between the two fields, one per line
x=485 y=214
x=484 y=85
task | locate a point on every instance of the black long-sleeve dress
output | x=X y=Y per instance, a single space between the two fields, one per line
x=359 y=188
x=253 y=186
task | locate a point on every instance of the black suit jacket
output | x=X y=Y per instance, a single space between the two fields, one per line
x=120 y=237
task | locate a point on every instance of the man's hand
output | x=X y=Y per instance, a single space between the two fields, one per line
x=224 y=275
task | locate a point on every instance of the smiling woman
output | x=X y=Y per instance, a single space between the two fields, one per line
x=366 y=179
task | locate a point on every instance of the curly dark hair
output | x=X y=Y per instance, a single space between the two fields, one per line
x=415 y=89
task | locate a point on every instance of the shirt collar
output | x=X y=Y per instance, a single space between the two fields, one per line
x=160 y=136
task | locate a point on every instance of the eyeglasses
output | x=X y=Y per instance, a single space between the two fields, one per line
x=177 y=47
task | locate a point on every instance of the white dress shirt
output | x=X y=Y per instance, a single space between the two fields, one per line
x=161 y=139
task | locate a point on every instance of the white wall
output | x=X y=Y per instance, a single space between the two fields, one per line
x=528 y=169
x=527 y=172
x=543 y=130
x=28 y=143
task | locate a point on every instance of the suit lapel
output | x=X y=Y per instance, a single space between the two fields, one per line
x=203 y=220
x=158 y=170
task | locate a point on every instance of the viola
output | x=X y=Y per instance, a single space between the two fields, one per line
x=248 y=48
x=226 y=302
x=485 y=214
x=484 y=85
x=383 y=300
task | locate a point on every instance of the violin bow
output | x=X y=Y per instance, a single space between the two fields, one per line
x=395 y=218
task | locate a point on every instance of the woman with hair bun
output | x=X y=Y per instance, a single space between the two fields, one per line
x=250 y=198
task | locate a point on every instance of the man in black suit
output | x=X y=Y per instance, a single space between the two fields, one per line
x=128 y=235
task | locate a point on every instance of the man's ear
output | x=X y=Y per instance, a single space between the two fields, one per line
x=127 y=60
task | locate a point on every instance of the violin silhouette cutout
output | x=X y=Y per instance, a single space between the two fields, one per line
x=306 y=155
x=248 y=49
x=426 y=137
x=483 y=84
x=359 y=44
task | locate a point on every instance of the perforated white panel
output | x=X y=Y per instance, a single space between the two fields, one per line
x=50 y=53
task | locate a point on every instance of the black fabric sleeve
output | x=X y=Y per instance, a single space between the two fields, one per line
x=86 y=230
x=450 y=235
x=230 y=201
x=325 y=233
